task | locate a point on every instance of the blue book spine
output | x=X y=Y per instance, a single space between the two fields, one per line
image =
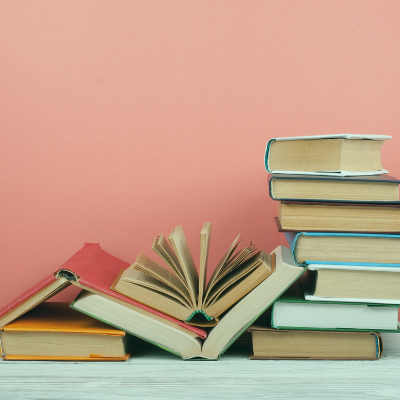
x=267 y=154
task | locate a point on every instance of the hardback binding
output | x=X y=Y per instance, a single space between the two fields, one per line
x=372 y=178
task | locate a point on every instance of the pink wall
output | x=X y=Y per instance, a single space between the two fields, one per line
x=122 y=119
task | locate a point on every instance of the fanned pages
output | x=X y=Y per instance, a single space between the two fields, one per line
x=182 y=292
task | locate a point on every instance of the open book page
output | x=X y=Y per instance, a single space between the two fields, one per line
x=230 y=279
x=221 y=264
x=162 y=248
x=235 y=261
x=179 y=243
x=239 y=288
x=149 y=267
x=139 y=278
x=205 y=236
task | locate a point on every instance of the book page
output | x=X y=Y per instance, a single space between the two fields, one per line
x=222 y=262
x=179 y=243
x=162 y=248
x=229 y=280
x=134 y=276
x=239 y=258
x=205 y=236
x=149 y=267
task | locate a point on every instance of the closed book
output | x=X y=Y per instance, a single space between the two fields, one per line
x=351 y=249
x=292 y=311
x=272 y=344
x=339 y=217
x=343 y=154
x=350 y=189
x=53 y=331
x=352 y=283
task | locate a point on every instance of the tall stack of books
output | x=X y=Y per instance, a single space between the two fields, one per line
x=340 y=213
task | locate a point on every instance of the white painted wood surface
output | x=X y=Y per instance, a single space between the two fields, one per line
x=152 y=373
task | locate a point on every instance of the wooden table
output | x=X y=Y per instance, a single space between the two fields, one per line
x=152 y=373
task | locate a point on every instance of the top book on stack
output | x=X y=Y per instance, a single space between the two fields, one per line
x=335 y=155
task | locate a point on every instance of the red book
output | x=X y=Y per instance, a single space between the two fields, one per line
x=92 y=269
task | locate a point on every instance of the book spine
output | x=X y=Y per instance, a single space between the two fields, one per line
x=271 y=179
x=273 y=312
x=267 y=154
x=293 y=238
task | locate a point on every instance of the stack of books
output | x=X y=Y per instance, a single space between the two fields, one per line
x=341 y=218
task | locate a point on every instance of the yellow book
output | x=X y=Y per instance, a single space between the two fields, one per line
x=54 y=331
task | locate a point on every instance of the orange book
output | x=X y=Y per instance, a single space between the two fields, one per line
x=54 y=331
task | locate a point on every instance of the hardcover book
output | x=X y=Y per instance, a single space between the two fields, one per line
x=292 y=311
x=53 y=331
x=183 y=293
x=339 y=217
x=343 y=154
x=93 y=269
x=349 y=189
x=349 y=283
x=350 y=249
x=272 y=344
x=183 y=342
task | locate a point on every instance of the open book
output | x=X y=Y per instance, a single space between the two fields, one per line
x=184 y=342
x=183 y=293
x=92 y=269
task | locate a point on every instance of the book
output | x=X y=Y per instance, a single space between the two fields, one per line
x=352 y=284
x=272 y=344
x=391 y=341
x=343 y=154
x=292 y=311
x=54 y=331
x=339 y=217
x=349 y=189
x=90 y=268
x=350 y=249
x=183 y=342
x=180 y=291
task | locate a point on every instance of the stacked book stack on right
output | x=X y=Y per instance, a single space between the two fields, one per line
x=340 y=213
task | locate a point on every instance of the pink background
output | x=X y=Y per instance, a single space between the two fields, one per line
x=122 y=119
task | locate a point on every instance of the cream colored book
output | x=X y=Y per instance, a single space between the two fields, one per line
x=343 y=154
x=357 y=284
x=339 y=217
x=272 y=344
x=181 y=291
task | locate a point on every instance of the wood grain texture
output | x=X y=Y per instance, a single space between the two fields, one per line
x=155 y=374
